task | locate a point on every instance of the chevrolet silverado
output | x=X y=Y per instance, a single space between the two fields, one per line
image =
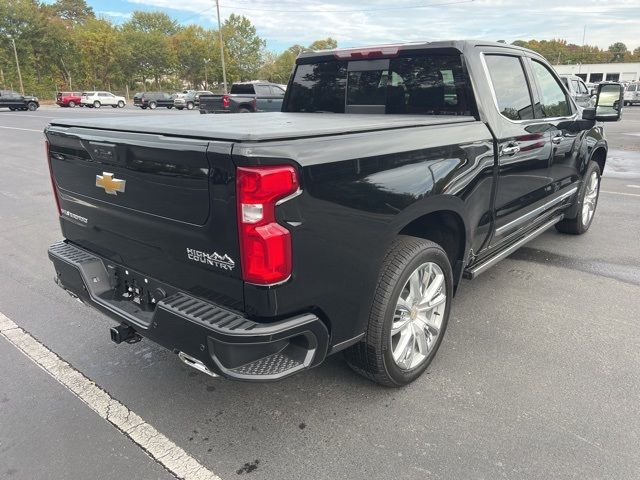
x=254 y=246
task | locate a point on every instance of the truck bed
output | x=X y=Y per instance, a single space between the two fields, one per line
x=264 y=127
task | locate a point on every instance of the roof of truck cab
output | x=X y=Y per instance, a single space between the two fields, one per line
x=258 y=126
x=459 y=45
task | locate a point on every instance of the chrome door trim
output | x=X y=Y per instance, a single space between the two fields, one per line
x=536 y=211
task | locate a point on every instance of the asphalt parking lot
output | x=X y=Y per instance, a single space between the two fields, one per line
x=538 y=376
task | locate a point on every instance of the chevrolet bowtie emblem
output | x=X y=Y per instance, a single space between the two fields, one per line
x=111 y=185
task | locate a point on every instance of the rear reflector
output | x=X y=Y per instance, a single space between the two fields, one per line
x=53 y=182
x=265 y=245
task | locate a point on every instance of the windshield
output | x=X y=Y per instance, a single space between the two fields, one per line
x=426 y=84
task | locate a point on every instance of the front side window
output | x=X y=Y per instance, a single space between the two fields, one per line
x=510 y=86
x=582 y=87
x=553 y=101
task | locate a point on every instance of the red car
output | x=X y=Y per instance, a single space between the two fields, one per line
x=68 y=99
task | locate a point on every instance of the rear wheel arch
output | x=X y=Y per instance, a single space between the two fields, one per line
x=445 y=228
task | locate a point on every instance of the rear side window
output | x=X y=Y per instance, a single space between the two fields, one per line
x=553 y=100
x=242 y=88
x=510 y=86
x=263 y=90
x=632 y=88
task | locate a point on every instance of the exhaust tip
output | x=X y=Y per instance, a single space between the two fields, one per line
x=195 y=363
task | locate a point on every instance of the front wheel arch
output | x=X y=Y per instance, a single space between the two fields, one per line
x=599 y=155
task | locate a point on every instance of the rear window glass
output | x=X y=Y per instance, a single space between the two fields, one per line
x=242 y=88
x=418 y=84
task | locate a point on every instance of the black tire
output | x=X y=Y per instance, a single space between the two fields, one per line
x=120 y=104
x=143 y=108
x=190 y=106
x=577 y=224
x=244 y=110
x=180 y=108
x=373 y=356
x=72 y=104
x=12 y=109
x=169 y=107
x=32 y=106
x=114 y=106
x=152 y=105
x=96 y=104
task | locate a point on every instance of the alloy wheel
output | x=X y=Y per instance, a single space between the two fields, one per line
x=418 y=316
x=590 y=199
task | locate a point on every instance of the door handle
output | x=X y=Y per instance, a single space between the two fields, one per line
x=557 y=140
x=510 y=150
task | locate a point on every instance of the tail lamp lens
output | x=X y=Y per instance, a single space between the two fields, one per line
x=265 y=245
x=53 y=182
x=225 y=101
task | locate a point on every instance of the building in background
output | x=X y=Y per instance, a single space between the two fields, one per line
x=599 y=72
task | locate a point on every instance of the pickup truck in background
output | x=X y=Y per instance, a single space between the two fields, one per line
x=245 y=98
x=256 y=246
x=578 y=90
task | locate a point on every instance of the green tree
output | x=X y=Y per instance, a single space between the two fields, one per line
x=326 y=44
x=243 y=49
x=152 y=55
x=618 y=51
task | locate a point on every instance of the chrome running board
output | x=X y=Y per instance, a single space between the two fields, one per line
x=491 y=261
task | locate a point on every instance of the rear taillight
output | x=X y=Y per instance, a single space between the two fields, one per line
x=225 y=101
x=265 y=245
x=53 y=182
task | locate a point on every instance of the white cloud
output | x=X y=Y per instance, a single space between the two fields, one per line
x=109 y=13
x=379 y=21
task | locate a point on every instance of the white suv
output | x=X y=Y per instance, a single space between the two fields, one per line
x=97 y=99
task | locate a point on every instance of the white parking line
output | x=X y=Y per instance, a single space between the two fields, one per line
x=622 y=193
x=155 y=444
x=25 y=129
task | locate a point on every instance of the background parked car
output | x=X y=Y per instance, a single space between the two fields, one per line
x=69 y=99
x=632 y=94
x=14 y=101
x=244 y=98
x=578 y=90
x=190 y=100
x=100 y=98
x=152 y=100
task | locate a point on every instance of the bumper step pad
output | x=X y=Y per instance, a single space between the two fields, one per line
x=222 y=340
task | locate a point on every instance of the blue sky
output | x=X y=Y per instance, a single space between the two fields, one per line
x=354 y=23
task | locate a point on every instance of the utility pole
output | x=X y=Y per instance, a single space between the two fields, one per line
x=206 y=80
x=15 y=52
x=224 y=72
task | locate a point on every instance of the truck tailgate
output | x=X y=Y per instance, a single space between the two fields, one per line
x=163 y=206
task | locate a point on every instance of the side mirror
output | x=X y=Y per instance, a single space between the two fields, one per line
x=609 y=101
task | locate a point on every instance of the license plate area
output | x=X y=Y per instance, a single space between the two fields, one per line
x=134 y=292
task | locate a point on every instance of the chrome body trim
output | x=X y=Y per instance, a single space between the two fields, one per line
x=536 y=211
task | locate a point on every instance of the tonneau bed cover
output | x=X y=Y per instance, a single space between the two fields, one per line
x=259 y=127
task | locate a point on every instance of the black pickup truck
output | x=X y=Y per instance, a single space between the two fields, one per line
x=256 y=246
x=245 y=98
